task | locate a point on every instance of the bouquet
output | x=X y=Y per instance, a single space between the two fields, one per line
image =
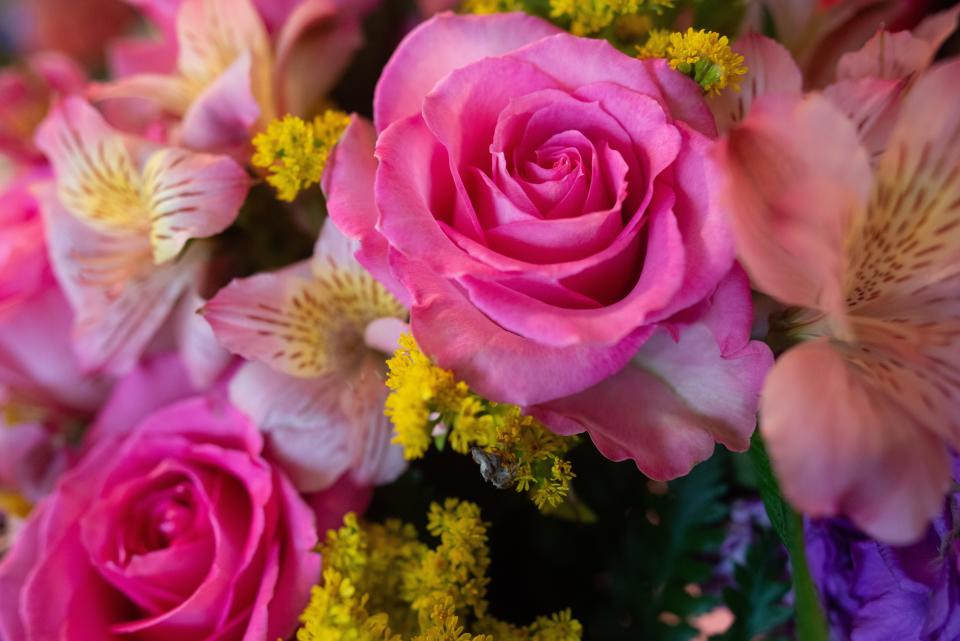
x=492 y=320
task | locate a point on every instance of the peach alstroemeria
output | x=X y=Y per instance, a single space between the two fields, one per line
x=870 y=82
x=859 y=416
x=317 y=333
x=237 y=67
x=118 y=222
x=818 y=33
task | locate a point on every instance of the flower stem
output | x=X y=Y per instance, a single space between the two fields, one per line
x=811 y=623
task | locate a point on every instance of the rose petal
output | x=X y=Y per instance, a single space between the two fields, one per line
x=441 y=45
x=460 y=338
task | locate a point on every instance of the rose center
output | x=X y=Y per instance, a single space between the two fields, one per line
x=161 y=519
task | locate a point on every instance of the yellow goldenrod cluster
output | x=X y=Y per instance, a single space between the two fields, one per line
x=428 y=404
x=705 y=56
x=589 y=17
x=491 y=6
x=380 y=583
x=295 y=152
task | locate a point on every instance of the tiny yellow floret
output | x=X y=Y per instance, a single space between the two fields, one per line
x=483 y=7
x=705 y=56
x=588 y=17
x=428 y=404
x=296 y=152
x=380 y=583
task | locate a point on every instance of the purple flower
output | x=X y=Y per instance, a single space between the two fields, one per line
x=877 y=592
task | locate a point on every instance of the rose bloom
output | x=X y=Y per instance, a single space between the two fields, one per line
x=545 y=204
x=173 y=526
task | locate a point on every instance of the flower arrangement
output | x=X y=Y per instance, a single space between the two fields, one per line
x=377 y=320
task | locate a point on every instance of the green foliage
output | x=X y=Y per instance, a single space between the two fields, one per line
x=722 y=16
x=667 y=545
x=757 y=599
x=640 y=566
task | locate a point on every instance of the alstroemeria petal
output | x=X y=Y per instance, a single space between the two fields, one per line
x=307 y=320
x=190 y=195
x=213 y=34
x=797 y=180
x=315 y=30
x=221 y=116
x=119 y=297
x=97 y=179
x=907 y=250
x=271 y=318
x=904 y=273
x=770 y=70
x=892 y=56
x=841 y=447
x=306 y=431
x=374 y=458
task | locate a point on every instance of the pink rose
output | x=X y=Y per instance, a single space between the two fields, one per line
x=547 y=205
x=24 y=269
x=173 y=526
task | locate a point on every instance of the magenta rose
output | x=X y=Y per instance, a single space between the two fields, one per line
x=171 y=527
x=546 y=204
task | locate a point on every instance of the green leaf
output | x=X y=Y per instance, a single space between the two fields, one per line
x=811 y=624
x=757 y=601
x=667 y=541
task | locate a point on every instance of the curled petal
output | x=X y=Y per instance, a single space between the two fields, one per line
x=213 y=34
x=499 y=364
x=892 y=56
x=315 y=30
x=441 y=45
x=677 y=397
x=190 y=196
x=220 y=118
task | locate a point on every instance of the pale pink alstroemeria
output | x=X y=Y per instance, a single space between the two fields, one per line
x=316 y=333
x=117 y=224
x=239 y=64
x=859 y=416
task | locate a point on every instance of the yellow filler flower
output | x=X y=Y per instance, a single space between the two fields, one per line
x=295 y=152
x=705 y=56
x=427 y=404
